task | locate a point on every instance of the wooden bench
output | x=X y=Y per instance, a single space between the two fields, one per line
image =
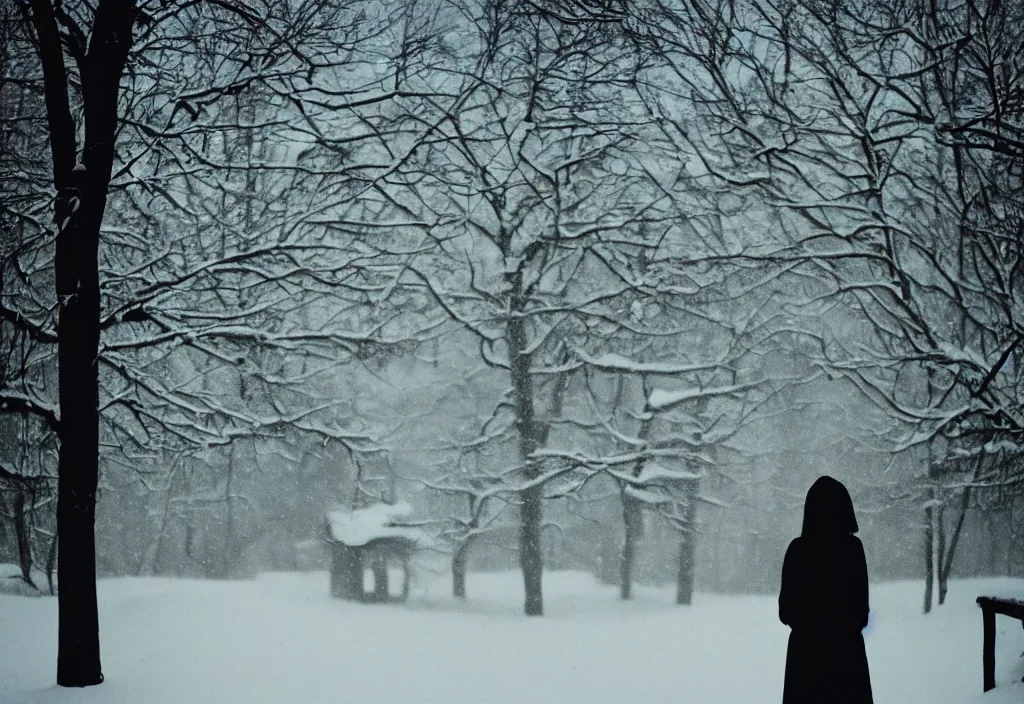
x=990 y=606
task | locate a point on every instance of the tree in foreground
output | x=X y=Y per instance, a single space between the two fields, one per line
x=121 y=80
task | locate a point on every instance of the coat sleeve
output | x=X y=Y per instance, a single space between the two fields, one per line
x=860 y=605
x=788 y=601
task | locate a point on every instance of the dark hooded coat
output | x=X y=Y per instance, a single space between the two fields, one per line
x=824 y=600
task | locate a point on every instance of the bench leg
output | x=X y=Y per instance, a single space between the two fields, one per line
x=988 y=656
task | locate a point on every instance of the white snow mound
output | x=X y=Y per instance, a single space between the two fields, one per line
x=361 y=526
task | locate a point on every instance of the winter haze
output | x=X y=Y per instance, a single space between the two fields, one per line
x=444 y=351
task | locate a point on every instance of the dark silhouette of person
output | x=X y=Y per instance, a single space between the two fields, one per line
x=824 y=600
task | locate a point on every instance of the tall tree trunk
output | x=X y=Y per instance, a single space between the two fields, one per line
x=78 y=660
x=632 y=513
x=461 y=555
x=939 y=530
x=51 y=563
x=687 y=549
x=23 y=534
x=230 y=559
x=929 y=557
x=459 y=560
x=147 y=567
x=684 y=574
x=947 y=560
x=531 y=558
x=78 y=211
x=633 y=519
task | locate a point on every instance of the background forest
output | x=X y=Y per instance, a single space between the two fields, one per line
x=596 y=286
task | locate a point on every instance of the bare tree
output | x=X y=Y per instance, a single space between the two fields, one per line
x=25 y=482
x=888 y=138
x=537 y=210
x=130 y=93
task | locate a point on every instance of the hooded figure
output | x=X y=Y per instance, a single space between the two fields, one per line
x=824 y=600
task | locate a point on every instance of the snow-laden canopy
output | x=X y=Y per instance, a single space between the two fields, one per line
x=359 y=527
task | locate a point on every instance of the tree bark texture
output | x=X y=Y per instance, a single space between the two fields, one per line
x=230 y=557
x=632 y=516
x=946 y=568
x=81 y=184
x=929 y=566
x=23 y=534
x=459 y=560
x=633 y=519
x=687 y=549
x=531 y=508
x=939 y=532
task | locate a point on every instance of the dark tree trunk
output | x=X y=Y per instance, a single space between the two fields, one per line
x=946 y=567
x=230 y=559
x=51 y=563
x=77 y=270
x=78 y=211
x=23 y=535
x=632 y=515
x=929 y=558
x=633 y=519
x=684 y=576
x=687 y=549
x=459 y=560
x=531 y=558
x=939 y=530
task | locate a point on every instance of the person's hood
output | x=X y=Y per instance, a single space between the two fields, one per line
x=828 y=510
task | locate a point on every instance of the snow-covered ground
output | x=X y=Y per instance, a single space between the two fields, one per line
x=281 y=640
x=12 y=583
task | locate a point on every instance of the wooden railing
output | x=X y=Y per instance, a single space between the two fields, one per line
x=990 y=606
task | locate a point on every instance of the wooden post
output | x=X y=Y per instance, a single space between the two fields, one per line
x=407 y=578
x=336 y=573
x=990 y=606
x=988 y=655
x=381 y=586
x=355 y=570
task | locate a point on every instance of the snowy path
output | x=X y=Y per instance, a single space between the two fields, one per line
x=280 y=640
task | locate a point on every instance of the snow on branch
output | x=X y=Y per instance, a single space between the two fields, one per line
x=661 y=399
x=618 y=363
